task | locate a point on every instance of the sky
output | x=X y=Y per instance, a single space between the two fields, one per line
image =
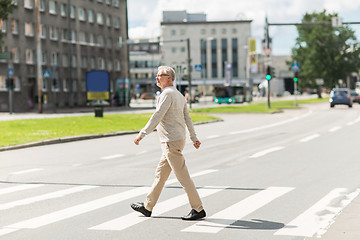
x=144 y=16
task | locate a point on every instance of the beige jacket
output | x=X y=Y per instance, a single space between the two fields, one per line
x=170 y=118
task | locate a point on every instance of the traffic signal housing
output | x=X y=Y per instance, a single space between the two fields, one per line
x=268 y=73
x=296 y=76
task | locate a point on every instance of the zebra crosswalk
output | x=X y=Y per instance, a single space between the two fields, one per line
x=313 y=221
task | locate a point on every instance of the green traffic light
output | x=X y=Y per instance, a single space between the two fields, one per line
x=295 y=79
x=268 y=77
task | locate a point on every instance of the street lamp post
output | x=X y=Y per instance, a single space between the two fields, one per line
x=38 y=57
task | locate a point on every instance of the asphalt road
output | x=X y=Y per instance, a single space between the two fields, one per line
x=261 y=176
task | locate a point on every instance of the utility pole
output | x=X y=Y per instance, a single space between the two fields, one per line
x=189 y=67
x=38 y=57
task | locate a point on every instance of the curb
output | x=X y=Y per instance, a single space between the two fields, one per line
x=82 y=137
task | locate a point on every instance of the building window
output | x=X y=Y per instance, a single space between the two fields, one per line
x=43 y=58
x=53 y=33
x=101 y=63
x=108 y=2
x=173 y=32
x=90 y=16
x=213 y=31
x=117 y=65
x=54 y=59
x=182 y=49
x=28 y=4
x=29 y=54
x=116 y=3
x=110 y=66
x=108 y=20
x=65 y=35
x=55 y=85
x=42 y=6
x=72 y=12
x=234 y=30
x=74 y=85
x=66 y=85
x=82 y=37
x=109 y=42
x=223 y=31
x=73 y=37
x=63 y=10
x=91 y=39
x=15 y=55
x=99 y=18
x=203 y=31
x=92 y=63
x=52 y=7
x=173 y=49
x=65 y=60
x=73 y=61
x=3 y=25
x=213 y=59
x=116 y=23
x=29 y=29
x=203 y=58
x=84 y=62
x=234 y=57
x=15 y=26
x=42 y=31
x=101 y=41
x=224 y=56
x=81 y=13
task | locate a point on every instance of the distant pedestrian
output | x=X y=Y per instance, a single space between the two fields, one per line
x=171 y=119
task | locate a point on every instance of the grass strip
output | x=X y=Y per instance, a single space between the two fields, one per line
x=32 y=130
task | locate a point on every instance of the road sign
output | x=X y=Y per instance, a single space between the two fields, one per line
x=10 y=72
x=336 y=22
x=295 y=66
x=46 y=74
x=198 y=68
x=4 y=55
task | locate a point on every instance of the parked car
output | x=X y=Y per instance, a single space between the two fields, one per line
x=355 y=97
x=148 y=95
x=340 y=96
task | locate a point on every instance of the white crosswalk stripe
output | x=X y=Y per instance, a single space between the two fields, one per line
x=225 y=218
x=319 y=217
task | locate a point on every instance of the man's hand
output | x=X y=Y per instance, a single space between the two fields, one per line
x=137 y=140
x=197 y=144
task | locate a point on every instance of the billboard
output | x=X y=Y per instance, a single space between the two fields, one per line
x=97 y=85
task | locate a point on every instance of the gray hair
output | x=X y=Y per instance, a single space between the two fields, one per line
x=168 y=70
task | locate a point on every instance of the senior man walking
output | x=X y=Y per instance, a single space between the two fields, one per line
x=171 y=119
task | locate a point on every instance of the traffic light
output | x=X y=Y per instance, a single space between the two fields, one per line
x=10 y=83
x=268 y=73
x=296 y=76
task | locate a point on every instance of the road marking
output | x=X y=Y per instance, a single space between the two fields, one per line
x=133 y=218
x=142 y=152
x=228 y=216
x=335 y=129
x=83 y=208
x=311 y=137
x=27 y=171
x=264 y=152
x=317 y=219
x=19 y=188
x=213 y=136
x=43 y=197
x=271 y=125
x=353 y=122
x=112 y=156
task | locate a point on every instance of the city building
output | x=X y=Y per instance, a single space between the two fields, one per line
x=145 y=58
x=218 y=49
x=76 y=37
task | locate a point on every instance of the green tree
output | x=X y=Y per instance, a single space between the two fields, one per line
x=6 y=7
x=323 y=51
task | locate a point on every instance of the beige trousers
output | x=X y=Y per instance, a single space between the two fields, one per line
x=173 y=159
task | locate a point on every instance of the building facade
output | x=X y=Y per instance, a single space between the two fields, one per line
x=218 y=49
x=76 y=37
x=145 y=58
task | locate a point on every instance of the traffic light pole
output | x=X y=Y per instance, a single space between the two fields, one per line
x=10 y=86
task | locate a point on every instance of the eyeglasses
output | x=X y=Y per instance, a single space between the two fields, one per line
x=161 y=75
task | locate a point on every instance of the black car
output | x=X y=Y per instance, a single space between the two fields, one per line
x=340 y=96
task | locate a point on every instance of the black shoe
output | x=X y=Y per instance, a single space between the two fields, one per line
x=194 y=215
x=139 y=206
